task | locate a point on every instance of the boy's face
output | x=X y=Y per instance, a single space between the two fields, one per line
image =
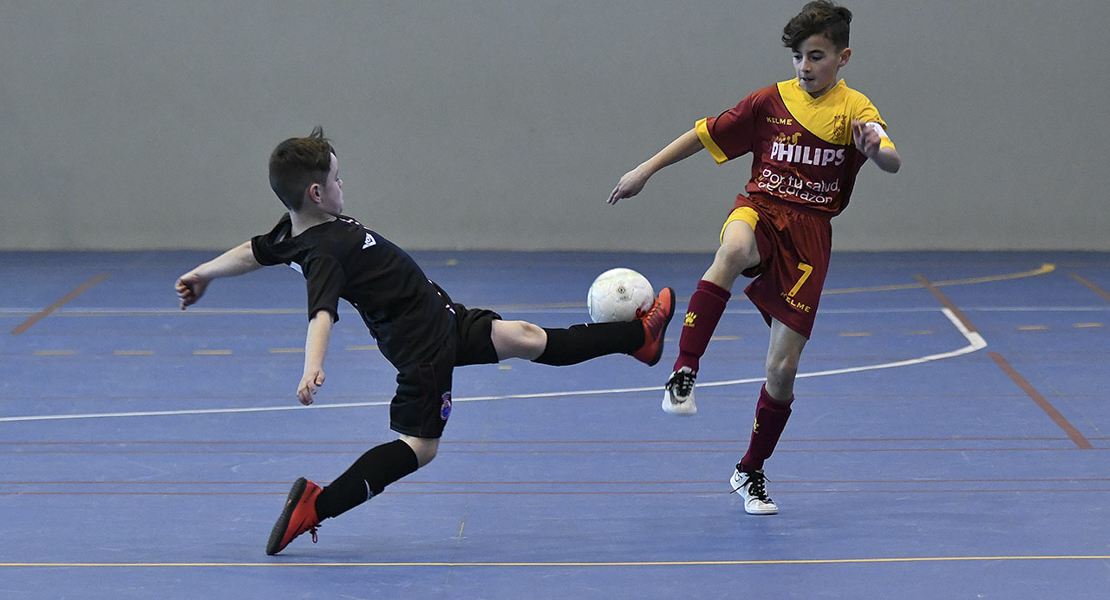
x=817 y=61
x=331 y=193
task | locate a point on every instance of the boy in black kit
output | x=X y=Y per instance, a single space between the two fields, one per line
x=418 y=328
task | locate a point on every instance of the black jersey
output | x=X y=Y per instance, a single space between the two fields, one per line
x=342 y=259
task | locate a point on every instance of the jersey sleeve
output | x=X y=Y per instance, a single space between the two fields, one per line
x=865 y=111
x=730 y=134
x=264 y=246
x=324 y=279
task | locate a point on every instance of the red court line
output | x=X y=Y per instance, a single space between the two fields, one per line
x=571 y=452
x=1042 y=402
x=1091 y=284
x=42 y=314
x=1032 y=392
x=491 y=443
x=935 y=291
x=284 y=484
x=708 y=491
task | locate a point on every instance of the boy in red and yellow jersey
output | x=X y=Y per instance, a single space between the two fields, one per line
x=808 y=138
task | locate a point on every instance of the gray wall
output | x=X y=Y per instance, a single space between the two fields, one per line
x=504 y=124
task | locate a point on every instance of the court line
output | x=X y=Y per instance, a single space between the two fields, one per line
x=42 y=314
x=1028 y=388
x=1090 y=284
x=1042 y=402
x=653 y=563
x=975 y=343
x=1042 y=270
x=944 y=300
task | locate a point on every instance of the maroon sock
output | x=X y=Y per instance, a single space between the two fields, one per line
x=706 y=307
x=770 y=420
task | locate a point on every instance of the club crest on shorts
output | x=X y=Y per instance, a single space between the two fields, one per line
x=445 y=408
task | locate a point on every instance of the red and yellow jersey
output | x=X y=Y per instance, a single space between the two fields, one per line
x=802 y=147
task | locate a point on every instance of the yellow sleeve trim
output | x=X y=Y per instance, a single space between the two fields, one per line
x=885 y=142
x=702 y=127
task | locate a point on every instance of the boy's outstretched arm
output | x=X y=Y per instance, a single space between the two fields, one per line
x=687 y=145
x=315 y=347
x=237 y=261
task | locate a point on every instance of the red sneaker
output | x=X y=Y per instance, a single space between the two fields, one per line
x=655 y=325
x=298 y=516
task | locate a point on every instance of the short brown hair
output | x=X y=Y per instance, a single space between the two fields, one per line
x=818 y=18
x=297 y=163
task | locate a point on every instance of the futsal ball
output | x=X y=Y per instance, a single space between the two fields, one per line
x=619 y=295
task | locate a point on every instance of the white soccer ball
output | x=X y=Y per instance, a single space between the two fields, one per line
x=619 y=295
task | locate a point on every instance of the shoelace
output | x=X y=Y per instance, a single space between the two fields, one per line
x=757 y=486
x=682 y=383
x=312 y=530
x=654 y=315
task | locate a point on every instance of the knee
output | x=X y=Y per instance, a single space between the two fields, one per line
x=424 y=448
x=532 y=337
x=735 y=257
x=780 y=377
x=518 y=339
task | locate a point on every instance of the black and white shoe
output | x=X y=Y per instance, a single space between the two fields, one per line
x=752 y=486
x=678 y=394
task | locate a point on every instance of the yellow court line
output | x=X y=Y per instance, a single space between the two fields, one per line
x=661 y=563
x=1042 y=270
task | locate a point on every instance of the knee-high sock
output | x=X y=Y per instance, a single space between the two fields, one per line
x=583 y=342
x=706 y=307
x=770 y=420
x=366 y=478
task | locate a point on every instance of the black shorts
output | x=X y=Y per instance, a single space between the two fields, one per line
x=423 y=401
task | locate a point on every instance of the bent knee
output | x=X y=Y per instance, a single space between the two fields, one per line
x=425 y=449
x=781 y=373
x=736 y=257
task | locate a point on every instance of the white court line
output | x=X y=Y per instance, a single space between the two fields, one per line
x=975 y=343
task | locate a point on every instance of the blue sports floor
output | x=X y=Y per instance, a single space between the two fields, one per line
x=950 y=439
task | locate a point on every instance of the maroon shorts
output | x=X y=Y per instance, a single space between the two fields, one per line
x=794 y=248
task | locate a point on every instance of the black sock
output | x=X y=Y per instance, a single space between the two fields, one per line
x=583 y=342
x=367 y=477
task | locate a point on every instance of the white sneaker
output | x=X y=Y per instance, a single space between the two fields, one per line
x=751 y=485
x=678 y=394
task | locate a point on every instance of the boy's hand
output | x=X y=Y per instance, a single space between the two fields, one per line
x=630 y=184
x=311 y=380
x=866 y=138
x=190 y=287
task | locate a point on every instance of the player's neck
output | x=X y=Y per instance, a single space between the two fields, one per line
x=304 y=220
